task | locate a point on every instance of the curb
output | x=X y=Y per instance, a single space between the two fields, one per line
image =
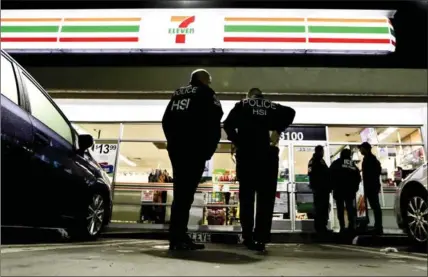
x=235 y=238
x=390 y=240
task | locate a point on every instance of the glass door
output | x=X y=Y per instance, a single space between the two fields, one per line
x=300 y=193
x=282 y=220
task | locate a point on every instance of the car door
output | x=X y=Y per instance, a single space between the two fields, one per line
x=53 y=166
x=16 y=149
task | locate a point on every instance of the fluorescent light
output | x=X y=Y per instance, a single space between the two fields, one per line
x=385 y=134
x=126 y=160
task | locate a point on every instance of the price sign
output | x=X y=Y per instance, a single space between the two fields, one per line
x=104 y=148
x=302 y=133
x=105 y=154
x=147 y=195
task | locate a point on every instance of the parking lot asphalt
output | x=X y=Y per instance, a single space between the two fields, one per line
x=134 y=257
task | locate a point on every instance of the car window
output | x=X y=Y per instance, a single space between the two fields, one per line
x=8 y=81
x=43 y=110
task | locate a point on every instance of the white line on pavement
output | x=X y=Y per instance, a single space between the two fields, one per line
x=74 y=246
x=378 y=252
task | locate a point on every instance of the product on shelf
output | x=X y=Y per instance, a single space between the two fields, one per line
x=160 y=176
x=223 y=175
x=216 y=214
x=153 y=213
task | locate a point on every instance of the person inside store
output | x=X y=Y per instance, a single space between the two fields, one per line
x=345 y=180
x=320 y=184
x=254 y=126
x=372 y=170
x=191 y=124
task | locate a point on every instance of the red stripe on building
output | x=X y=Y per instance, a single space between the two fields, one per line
x=263 y=39
x=348 y=40
x=26 y=39
x=100 y=39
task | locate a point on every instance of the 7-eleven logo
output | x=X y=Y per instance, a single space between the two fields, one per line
x=183 y=28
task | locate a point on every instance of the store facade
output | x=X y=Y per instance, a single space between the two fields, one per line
x=131 y=146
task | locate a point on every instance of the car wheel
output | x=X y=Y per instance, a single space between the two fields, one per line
x=417 y=219
x=90 y=226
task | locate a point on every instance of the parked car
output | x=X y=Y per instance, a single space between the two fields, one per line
x=48 y=176
x=411 y=205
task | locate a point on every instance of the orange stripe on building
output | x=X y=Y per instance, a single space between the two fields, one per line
x=178 y=18
x=31 y=19
x=265 y=19
x=95 y=19
x=348 y=20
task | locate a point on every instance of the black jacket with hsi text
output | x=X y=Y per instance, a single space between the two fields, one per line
x=248 y=124
x=192 y=119
x=345 y=178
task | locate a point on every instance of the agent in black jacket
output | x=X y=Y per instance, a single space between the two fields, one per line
x=371 y=179
x=345 y=179
x=254 y=126
x=319 y=182
x=191 y=124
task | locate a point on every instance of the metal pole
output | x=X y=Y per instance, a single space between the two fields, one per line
x=116 y=160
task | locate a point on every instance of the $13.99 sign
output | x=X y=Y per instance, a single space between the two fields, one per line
x=105 y=155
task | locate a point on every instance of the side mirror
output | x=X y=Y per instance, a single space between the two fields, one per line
x=85 y=142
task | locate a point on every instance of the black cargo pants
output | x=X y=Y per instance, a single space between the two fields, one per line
x=349 y=202
x=373 y=199
x=257 y=175
x=321 y=206
x=187 y=172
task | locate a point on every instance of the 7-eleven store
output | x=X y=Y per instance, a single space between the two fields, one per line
x=122 y=106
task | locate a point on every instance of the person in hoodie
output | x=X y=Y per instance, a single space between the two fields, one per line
x=191 y=124
x=345 y=178
x=319 y=182
x=254 y=126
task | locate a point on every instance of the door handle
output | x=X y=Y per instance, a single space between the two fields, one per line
x=42 y=139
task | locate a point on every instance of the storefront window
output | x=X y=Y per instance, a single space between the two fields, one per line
x=143 y=187
x=222 y=159
x=99 y=130
x=222 y=197
x=375 y=135
x=143 y=131
x=138 y=161
x=398 y=135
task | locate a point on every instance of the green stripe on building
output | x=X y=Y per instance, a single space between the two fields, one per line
x=348 y=30
x=101 y=29
x=29 y=29
x=264 y=29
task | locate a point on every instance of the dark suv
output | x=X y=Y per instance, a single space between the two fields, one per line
x=48 y=177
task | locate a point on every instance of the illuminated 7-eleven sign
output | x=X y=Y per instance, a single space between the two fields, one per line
x=183 y=28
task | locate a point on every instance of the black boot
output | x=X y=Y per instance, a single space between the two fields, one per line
x=249 y=243
x=259 y=246
x=185 y=244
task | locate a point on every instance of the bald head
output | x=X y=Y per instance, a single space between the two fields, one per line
x=200 y=76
